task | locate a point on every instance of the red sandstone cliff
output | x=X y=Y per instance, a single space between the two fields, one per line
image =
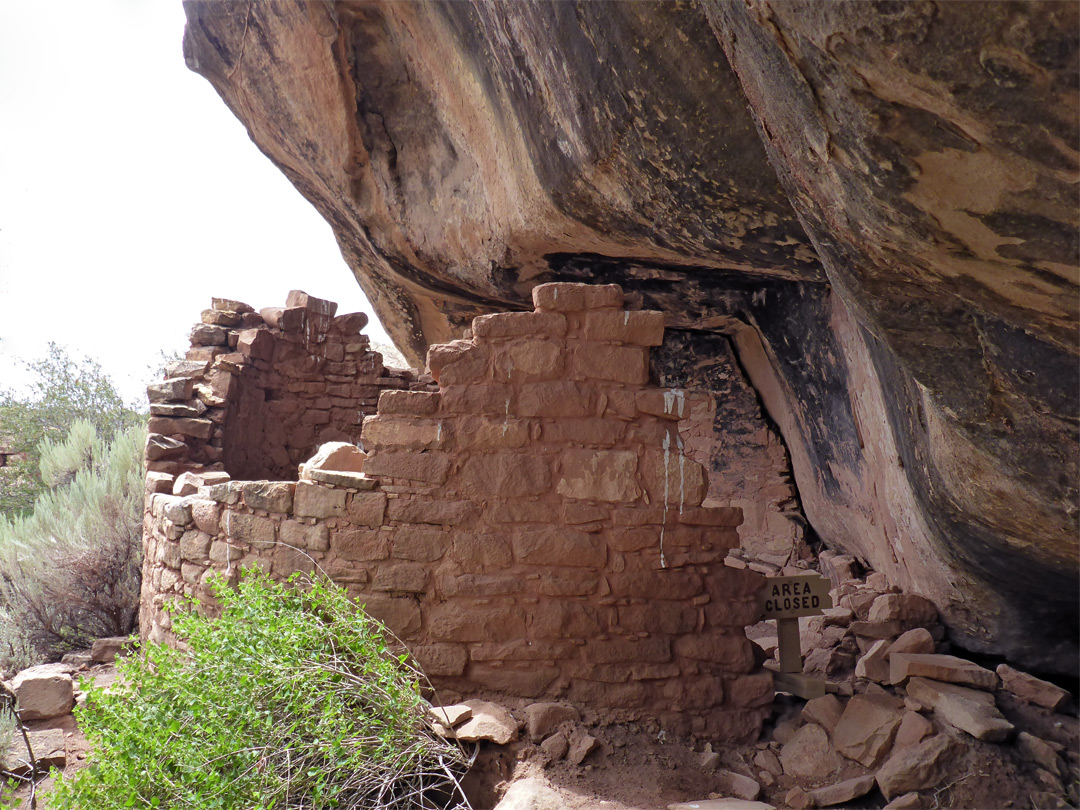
x=872 y=204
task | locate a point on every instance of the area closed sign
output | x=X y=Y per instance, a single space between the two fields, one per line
x=791 y=597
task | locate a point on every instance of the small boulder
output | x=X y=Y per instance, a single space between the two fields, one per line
x=581 y=745
x=825 y=711
x=541 y=719
x=798 y=799
x=912 y=730
x=44 y=691
x=917 y=767
x=843 y=792
x=767 y=761
x=917 y=640
x=867 y=727
x=910 y=609
x=555 y=747
x=1033 y=690
x=105 y=650
x=808 y=754
x=336 y=456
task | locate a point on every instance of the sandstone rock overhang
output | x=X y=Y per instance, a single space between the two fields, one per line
x=874 y=202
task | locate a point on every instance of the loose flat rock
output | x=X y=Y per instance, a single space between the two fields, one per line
x=489 y=721
x=1033 y=690
x=49 y=750
x=808 y=754
x=843 y=791
x=945 y=668
x=737 y=785
x=969 y=710
x=917 y=767
x=450 y=716
x=866 y=729
x=531 y=794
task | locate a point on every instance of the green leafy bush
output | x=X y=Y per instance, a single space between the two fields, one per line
x=62 y=391
x=291 y=698
x=70 y=570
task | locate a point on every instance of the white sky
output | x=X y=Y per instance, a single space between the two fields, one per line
x=130 y=195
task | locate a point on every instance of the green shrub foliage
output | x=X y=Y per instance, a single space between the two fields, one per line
x=70 y=570
x=291 y=698
x=62 y=391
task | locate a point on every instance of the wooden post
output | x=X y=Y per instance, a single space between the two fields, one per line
x=786 y=599
x=788 y=645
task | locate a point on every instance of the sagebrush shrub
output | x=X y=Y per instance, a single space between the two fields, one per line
x=291 y=698
x=70 y=570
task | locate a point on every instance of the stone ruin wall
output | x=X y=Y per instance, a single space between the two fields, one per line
x=533 y=527
x=258 y=392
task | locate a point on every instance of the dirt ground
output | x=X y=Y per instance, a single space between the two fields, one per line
x=638 y=767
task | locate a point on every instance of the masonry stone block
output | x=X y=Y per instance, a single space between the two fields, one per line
x=401 y=578
x=459 y=363
x=366 y=508
x=491 y=433
x=529 y=361
x=436 y=512
x=670 y=477
x=411 y=403
x=733 y=652
x=563 y=398
x=481 y=553
x=559 y=546
x=301 y=535
x=478 y=400
x=431 y=467
x=451 y=621
x=571 y=297
x=395 y=432
x=360 y=544
x=195 y=428
x=604 y=361
x=401 y=614
x=317 y=501
x=505 y=474
x=195 y=546
x=518 y=324
x=644 y=328
x=601 y=475
x=260 y=532
x=441 y=659
x=273 y=496
x=421 y=545
x=206 y=515
x=589 y=431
